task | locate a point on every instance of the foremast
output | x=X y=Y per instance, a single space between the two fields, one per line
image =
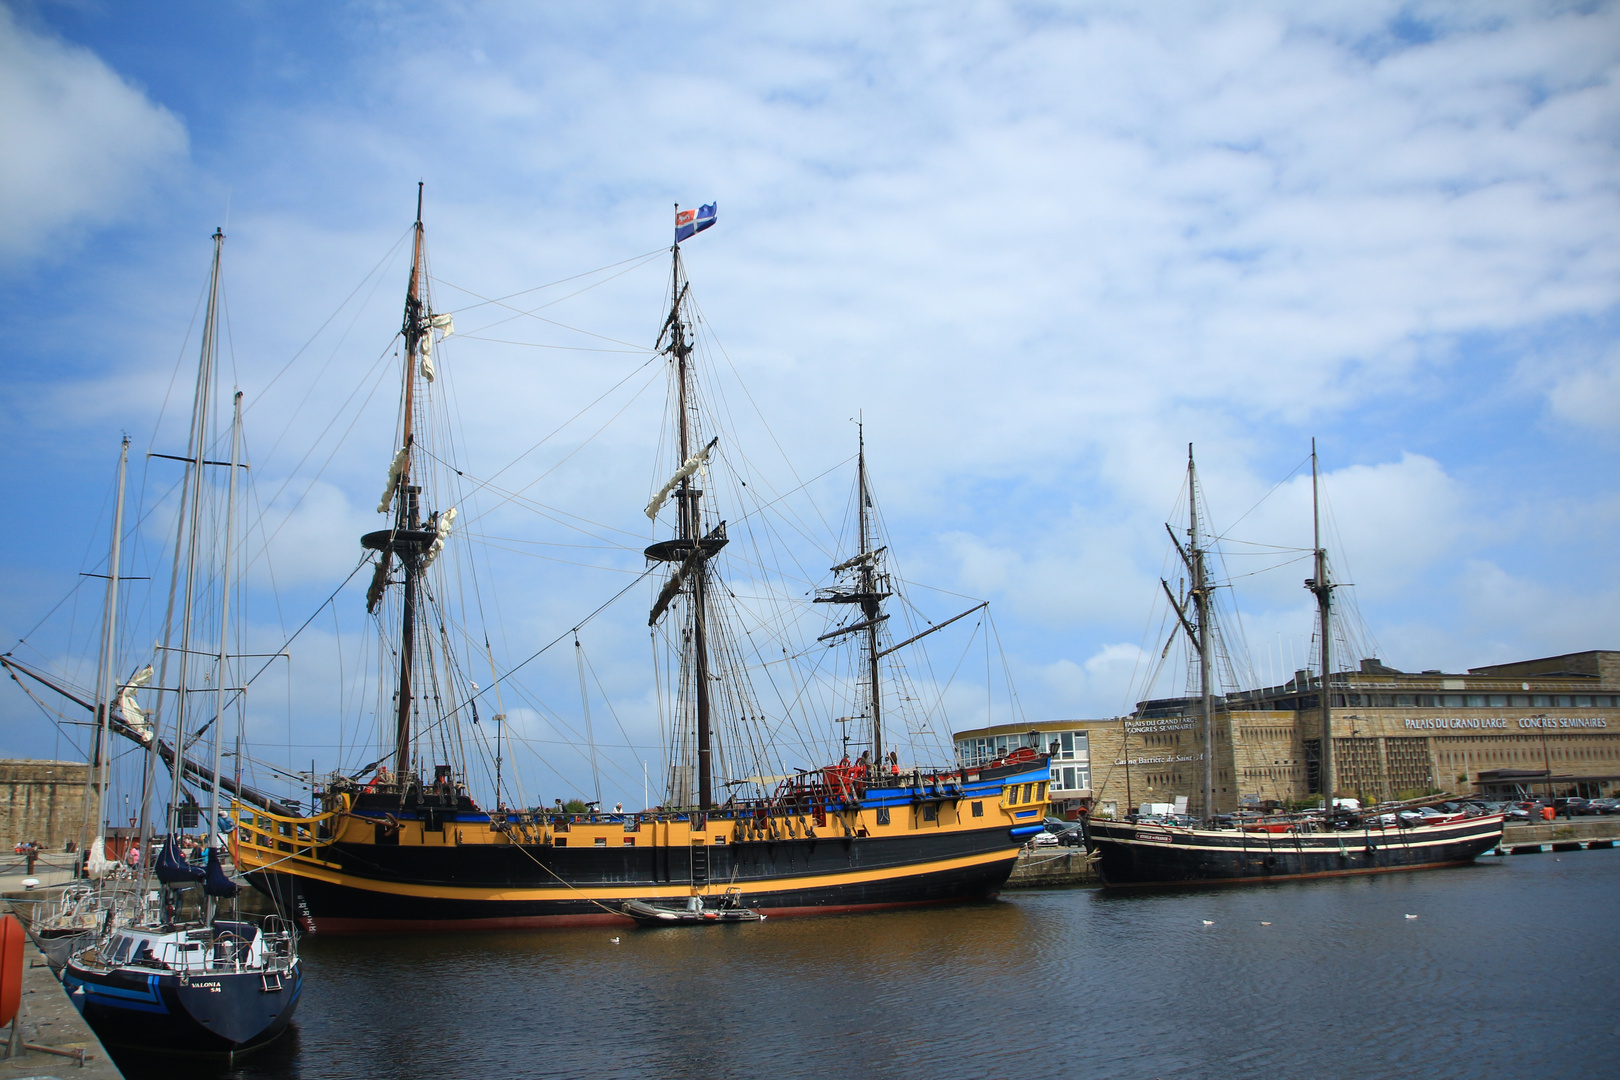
x=412 y=542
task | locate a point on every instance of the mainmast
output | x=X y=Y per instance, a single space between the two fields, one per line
x=691 y=549
x=1323 y=588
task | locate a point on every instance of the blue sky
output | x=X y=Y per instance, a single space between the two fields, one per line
x=1039 y=247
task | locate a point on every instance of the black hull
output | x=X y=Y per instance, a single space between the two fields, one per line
x=386 y=889
x=214 y=1013
x=1133 y=856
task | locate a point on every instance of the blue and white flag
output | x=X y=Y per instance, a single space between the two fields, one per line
x=688 y=222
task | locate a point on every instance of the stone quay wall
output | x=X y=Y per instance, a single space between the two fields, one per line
x=43 y=801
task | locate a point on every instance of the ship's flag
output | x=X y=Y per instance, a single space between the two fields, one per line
x=688 y=222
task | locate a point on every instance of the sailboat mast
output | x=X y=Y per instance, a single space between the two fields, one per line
x=869 y=608
x=408 y=512
x=1324 y=602
x=224 y=615
x=1200 y=594
x=194 y=471
x=100 y=759
x=691 y=537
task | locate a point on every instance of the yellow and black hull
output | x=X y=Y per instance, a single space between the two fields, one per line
x=362 y=868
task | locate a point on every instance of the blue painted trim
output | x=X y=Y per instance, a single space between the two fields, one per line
x=1026 y=830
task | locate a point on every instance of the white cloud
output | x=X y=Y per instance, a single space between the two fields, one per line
x=80 y=143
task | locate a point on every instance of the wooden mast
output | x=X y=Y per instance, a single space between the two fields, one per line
x=1324 y=602
x=408 y=515
x=1201 y=602
x=870 y=604
x=689 y=551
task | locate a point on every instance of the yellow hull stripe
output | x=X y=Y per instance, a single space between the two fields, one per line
x=298 y=868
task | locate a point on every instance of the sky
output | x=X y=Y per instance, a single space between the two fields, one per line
x=1038 y=249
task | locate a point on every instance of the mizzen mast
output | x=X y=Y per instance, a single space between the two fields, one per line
x=869 y=592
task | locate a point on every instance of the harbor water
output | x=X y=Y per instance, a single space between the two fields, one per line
x=1507 y=969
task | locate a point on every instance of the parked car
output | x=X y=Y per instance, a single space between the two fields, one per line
x=1570 y=806
x=1603 y=806
x=1074 y=836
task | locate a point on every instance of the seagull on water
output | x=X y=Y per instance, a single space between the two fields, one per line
x=1209 y=922
x=1411 y=916
x=615 y=941
x=1265 y=924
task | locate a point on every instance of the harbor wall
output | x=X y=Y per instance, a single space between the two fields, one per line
x=42 y=801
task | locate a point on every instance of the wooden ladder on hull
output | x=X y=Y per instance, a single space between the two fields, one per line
x=700 y=866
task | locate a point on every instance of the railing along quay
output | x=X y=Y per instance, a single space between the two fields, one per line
x=1581 y=834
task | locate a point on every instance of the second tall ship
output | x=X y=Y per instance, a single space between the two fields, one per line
x=1337 y=843
x=405 y=847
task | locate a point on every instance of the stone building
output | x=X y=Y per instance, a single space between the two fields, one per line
x=43 y=801
x=1506 y=730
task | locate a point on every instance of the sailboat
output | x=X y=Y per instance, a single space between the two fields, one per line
x=1337 y=843
x=403 y=845
x=194 y=976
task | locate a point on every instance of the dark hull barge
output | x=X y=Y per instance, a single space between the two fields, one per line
x=1131 y=855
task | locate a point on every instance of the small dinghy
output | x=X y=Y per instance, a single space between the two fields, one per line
x=694 y=911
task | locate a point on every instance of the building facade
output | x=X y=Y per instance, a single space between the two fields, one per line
x=43 y=801
x=1507 y=730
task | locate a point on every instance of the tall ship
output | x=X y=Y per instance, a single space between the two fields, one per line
x=755 y=814
x=1336 y=843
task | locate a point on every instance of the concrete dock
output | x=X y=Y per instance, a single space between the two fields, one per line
x=1052 y=867
x=52 y=1039
x=1574 y=834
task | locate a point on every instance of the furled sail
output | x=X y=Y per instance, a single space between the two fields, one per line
x=96 y=863
x=131 y=710
x=395 y=469
x=688 y=467
x=438 y=322
x=172 y=867
x=446 y=519
x=217 y=882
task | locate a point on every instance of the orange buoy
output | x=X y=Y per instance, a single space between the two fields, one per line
x=11 y=966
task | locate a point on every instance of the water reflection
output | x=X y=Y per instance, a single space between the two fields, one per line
x=1504 y=967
